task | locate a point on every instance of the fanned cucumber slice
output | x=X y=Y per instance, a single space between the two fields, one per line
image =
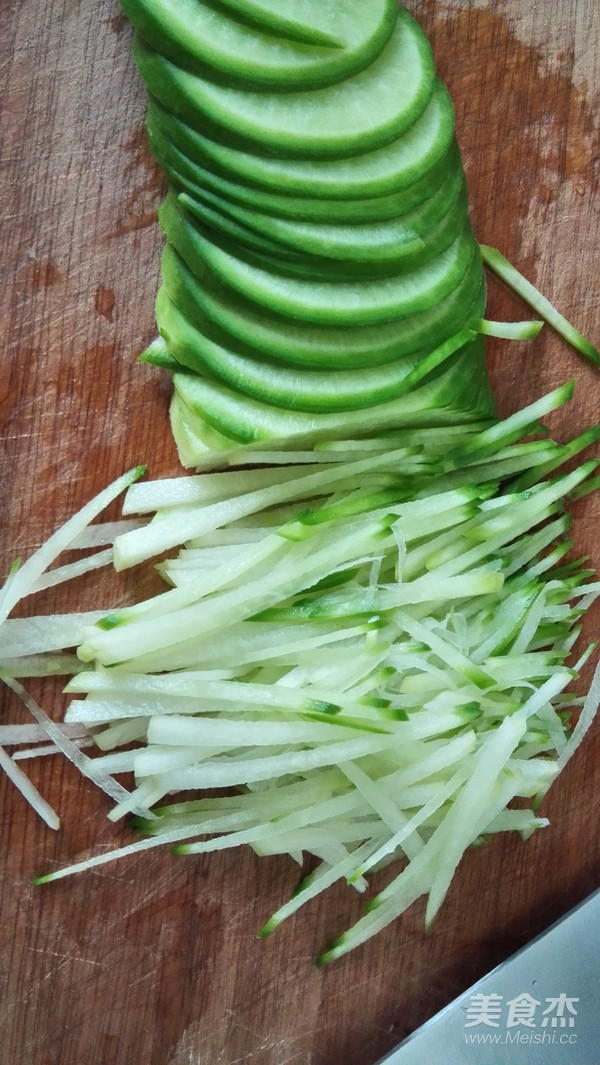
x=238 y=236
x=408 y=237
x=187 y=175
x=378 y=172
x=362 y=112
x=206 y=38
x=360 y=302
x=304 y=344
x=444 y=399
x=208 y=352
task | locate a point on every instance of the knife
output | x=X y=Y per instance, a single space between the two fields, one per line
x=540 y=1007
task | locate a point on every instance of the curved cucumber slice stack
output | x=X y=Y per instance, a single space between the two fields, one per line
x=334 y=302
x=209 y=353
x=389 y=168
x=390 y=240
x=302 y=344
x=320 y=274
x=355 y=114
x=332 y=41
x=444 y=399
x=184 y=171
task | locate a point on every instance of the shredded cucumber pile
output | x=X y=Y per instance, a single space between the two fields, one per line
x=368 y=635
x=376 y=672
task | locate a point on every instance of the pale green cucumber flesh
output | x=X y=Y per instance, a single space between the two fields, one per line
x=362 y=112
x=203 y=37
x=309 y=21
x=189 y=176
x=381 y=171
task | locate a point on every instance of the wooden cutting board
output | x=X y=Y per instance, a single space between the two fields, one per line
x=153 y=961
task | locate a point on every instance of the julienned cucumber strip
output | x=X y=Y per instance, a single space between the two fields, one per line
x=508 y=273
x=510 y=330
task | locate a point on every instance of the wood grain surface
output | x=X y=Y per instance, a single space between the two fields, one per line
x=153 y=961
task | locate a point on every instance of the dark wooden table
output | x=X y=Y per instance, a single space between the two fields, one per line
x=153 y=961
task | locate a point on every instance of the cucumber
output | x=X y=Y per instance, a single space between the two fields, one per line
x=237 y=236
x=304 y=344
x=321 y=274
x=205 y=38
x=187 y=175
x=383 y=170
x=273 y=257
x=362 y=112
x=409 y=236
x=208 y=352
x=460 y=392
x=185 y=231
x=360 y=302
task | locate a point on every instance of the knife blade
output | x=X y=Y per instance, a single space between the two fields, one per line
x=540 y=1007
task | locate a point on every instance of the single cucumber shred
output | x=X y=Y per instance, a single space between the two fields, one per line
x=368 y=631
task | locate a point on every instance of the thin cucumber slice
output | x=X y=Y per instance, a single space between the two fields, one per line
x=320 y=347
x=362 y=112
x=241 y=239
x=201 y=36
x=408 y=237
x=294 y=389
x=347 y=302
x=184 y=172
x=458 y=393
x=378 y=172
x=510 y=330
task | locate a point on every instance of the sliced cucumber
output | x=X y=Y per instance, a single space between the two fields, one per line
x=362 y=112
x=189 y=176
x=410 y=236
x=444 y=399
x=378 y=172
x=236 y=236
x=202 y=36
x=185 y=231
x=197 y=441
x=341 y=303
x=304 y=344
x=271 y=256
x=208 y=352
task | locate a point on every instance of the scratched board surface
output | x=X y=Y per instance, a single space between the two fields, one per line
x=153 y=961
